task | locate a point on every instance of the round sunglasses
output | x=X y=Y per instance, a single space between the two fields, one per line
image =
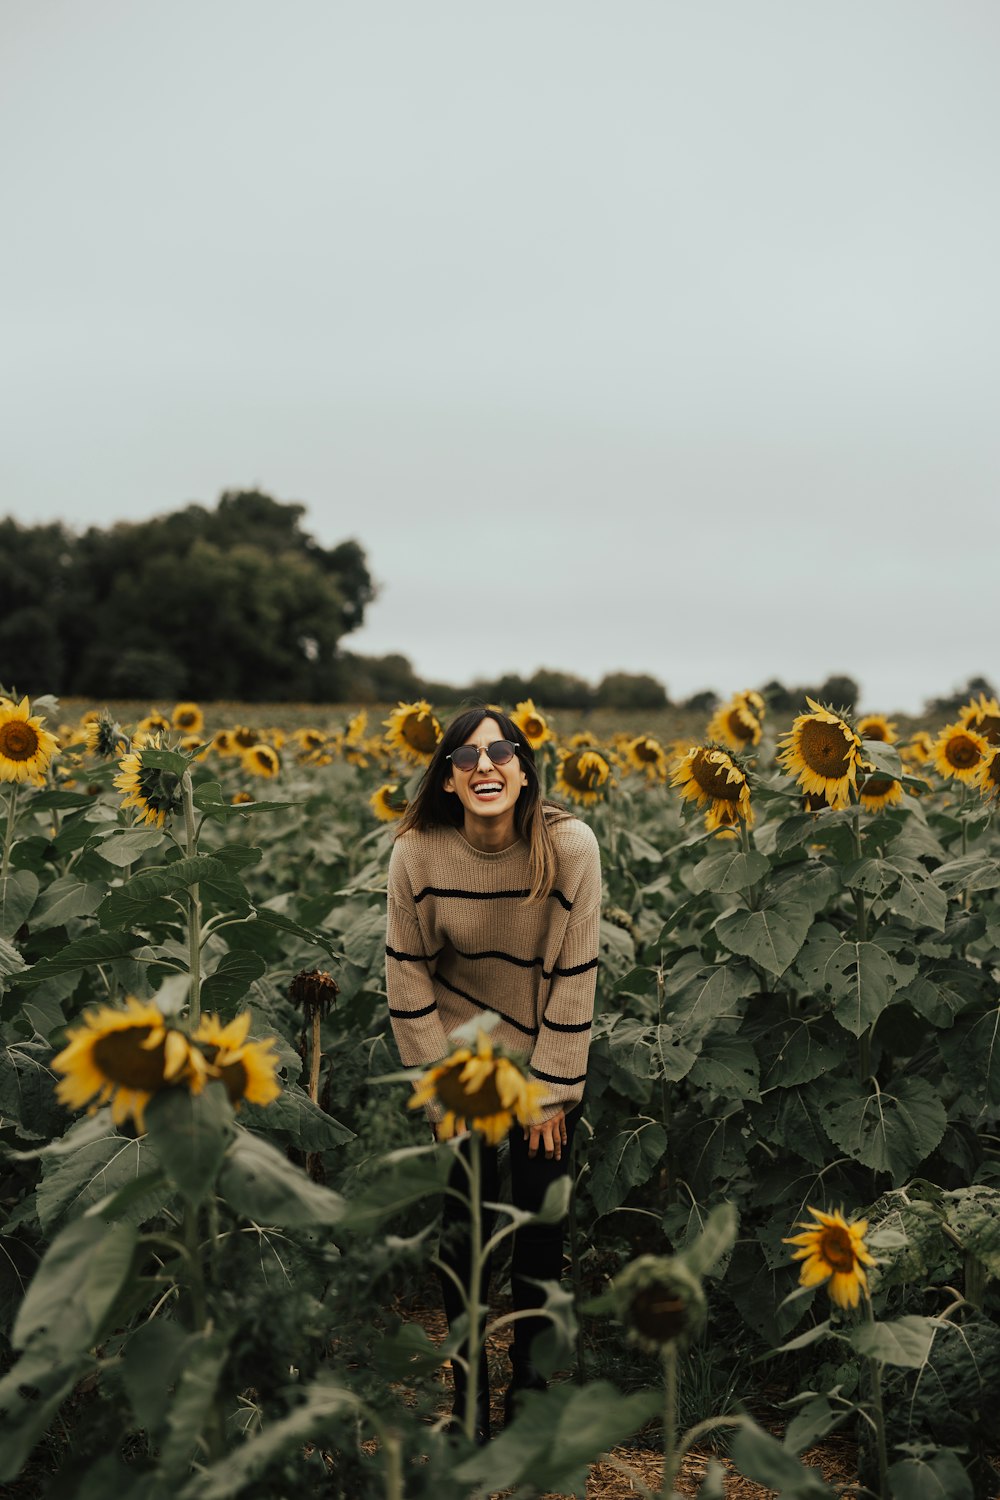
x=466 y=757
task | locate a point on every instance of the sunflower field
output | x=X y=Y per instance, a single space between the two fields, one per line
x=218 y=1216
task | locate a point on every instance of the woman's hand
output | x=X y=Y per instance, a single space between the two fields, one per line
x=551 y=1135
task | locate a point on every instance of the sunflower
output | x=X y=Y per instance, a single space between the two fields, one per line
x=989 y=775
x=647 y=755
x=309 y=739
x=982 y=715
x=413 y=731
x=833 y=1250
x=823 y=752
x=709 y=776
x=262 y=760
x=877 y=727
x=248 y=1070
x=877 y=792
x=125 y=1056
x=737 y=723
x=660 y=1301
x=387 y=803
x=104 y=737
x=532 y=724
x=959 y=752
x=156 y=793
x=356 y=726
x=243 y=737
x=188 y=717
x=223 y=744
x=154 y=723
x=481 y=1091
x=919 y=749
x=582 y=775
x=25 y=747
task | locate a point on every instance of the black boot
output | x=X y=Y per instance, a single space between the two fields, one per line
x=524 y=1377
x=482 y=1400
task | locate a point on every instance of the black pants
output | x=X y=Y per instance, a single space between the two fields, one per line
x=538 y=1248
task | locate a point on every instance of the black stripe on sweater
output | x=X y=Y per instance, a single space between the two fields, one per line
x=554 y=1077
x=575 y=969
x=479 y=1004
x=530 y=963
x=566 y=1025
x=412 y=1015
x=436 y=890
x=411 y=958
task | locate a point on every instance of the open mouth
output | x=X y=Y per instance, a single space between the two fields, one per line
x=486 y=791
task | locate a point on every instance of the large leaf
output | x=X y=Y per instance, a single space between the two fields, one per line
x=888 y=1131
x=761 y=1457
x=75 y=1288
x=228 y=983
x=72 y=1183
x=697 y=1000
x=729 y=871
x=917 y=897
x=790 y=1118
x=259 y=1181
x=193 y=1401
x=125 y=845
x=937 y=1477
x=31 y=1393
x=130 y=902
x=557 y=1435
x=96 y=948
x=209 y=798
x=974 y=1215
x=806 y=1048
x=294 y=1115
x=310 y=1421
x=972 y=1051
x=771 y=935
x=154 y=1357
x=625 y=1161
x=905 y=1342
x=189 y=1134
x=18 y=889
x=860 y=978
x=63 y=900
x=729 y=1066
x=11 y=964
x=648 y=1051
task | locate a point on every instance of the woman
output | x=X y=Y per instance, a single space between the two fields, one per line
x=494 y=904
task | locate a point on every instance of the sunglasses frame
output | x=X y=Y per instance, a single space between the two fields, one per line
x=514 y=744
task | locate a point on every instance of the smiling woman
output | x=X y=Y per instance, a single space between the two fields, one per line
x=494 y=905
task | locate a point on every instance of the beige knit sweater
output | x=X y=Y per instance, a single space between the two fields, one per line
x=462 y=939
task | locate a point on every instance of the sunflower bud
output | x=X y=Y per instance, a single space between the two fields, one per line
x=660 y=1300
x=314 y=991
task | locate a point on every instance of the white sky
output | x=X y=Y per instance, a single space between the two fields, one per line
x=649 y=336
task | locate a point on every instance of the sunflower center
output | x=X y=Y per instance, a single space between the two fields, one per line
x=187 y=720
x=738 y=725
x=468 y=1104
x=234 y=1079
x=533 y=727
x=659 y=1313
x=420 y=732
x=962 y=752
x=825 y=748
x=712 y=777
x=989 y=728
x=837 y=1248
x=159 y=789
x=121 y=1057
x=645 y=751
x=877 y=786
x=18 y=740
x=584 y=771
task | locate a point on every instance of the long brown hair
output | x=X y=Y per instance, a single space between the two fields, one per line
x=533 y=814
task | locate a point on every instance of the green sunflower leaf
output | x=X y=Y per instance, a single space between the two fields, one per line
x=18 y=890
x=96 y=948
x=190 y=1134
x=628 y=1159
x=889 y=1132
x=771 y=935
x=729 y=871
x=905 y=1342
x=233 y=975
x=128 y=903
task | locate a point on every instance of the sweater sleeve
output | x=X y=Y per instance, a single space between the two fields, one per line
x=559 y=1058
x=413 y=1012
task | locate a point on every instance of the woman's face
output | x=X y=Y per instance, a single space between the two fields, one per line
x=487 y=792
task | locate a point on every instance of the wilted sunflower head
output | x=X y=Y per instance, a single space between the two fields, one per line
x=126 y=1056
x=262 y=760
x=877 y=727
x=388 y=802
x=834 y=1251
x=25 y=747
x=532 y=723
x=156 y=793
x=823 y=753
x=313 y=991
x=959 y=753
x=105 y=737
x=982 y=715
x=188 y=718
x=247 y=1070
x=736 y=723
x=583 y=775
x=480 y=1090
x=647 y=755
x=660 y=1301
x=714 y=779
x=413 y=730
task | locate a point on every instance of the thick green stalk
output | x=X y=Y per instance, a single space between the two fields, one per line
x=8 y=838
x=878 y=1413
x=194 y=901
x=861 y=925
x=670 y=1455
x=472 y=1290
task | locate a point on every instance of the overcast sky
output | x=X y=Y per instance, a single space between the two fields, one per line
x=648 y=336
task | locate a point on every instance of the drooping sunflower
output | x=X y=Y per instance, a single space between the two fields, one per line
x=104 y=737
x=154 y=723
x=738 y=722
x=156 y=793
x=583 y=776
x=388 y=803
x=709 y=776
x=413 y=730
x=188 y=717
x=982 y=715
x=823 y=753
x=660 y=1301
x=125 y=1056
x=248 y=1070
x=877 y=791
x=959 y=753
x=480 y=1091
x=834 y=1251
x=262 y=760
x=647 y=755
x=532 y=724
x=25 y=747
x=989 y=775
x=877 y=727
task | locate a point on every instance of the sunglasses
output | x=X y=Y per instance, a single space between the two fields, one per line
x=466 y=757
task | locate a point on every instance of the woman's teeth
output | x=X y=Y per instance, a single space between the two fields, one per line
x=488 y=789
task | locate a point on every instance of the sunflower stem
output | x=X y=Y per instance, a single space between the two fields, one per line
x=8 y=838
x=194 y=901
x=878 y=1412
x=670 y=1454
x=315 y=1055
x=472 y=1290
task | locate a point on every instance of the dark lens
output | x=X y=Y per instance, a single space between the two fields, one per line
x=500 y=752
x=465 y=757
